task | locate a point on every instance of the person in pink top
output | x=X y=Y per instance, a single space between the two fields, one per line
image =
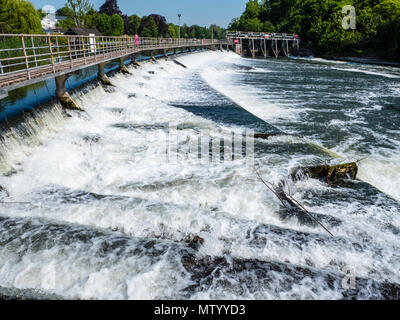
x=136 y=40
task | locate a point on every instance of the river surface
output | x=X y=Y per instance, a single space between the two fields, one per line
x=95 y=210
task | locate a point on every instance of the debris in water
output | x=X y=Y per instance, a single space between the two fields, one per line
x=330 y=174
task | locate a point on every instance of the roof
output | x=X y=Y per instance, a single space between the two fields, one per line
x=75 y=31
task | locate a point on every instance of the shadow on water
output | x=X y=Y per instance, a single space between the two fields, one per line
x=230 y=115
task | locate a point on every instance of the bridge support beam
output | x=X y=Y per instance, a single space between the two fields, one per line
x=165 y=54
x=102 y=76
x=63 y=96
x=123 y=67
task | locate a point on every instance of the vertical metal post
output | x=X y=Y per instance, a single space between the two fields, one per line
x=84 y=49
x=58 y=50
x=265 y=47
x=26 y=58
x=70 y=52
x=51 y=54
x=287 y=47
x=34 y=51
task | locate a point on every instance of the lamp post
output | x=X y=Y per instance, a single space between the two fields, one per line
x=179 y=28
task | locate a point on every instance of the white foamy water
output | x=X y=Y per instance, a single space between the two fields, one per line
x=105 y=216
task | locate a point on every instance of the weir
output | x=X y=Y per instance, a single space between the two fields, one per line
x=36 y=58
x=263 y=44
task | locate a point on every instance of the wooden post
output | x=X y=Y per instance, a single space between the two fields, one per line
x=26 y=58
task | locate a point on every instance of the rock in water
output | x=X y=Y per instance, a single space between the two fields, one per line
x=330 y=174
x=3 y=193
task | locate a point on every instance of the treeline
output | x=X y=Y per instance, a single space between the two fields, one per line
x=20 y=16
x=110 y=21
x=319 y=24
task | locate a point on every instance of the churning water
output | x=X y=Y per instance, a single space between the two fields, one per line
x=94 y=210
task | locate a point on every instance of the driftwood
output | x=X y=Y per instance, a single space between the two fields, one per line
x=329 y=174
x=179 y=64
x=292 y=206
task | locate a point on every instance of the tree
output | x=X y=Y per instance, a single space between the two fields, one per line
x=80 y=9
x=104 y=24
x=133 y=24
x=148 y=28
x=91 y=18
x=110 y=7
x=161 y=23
x=171 y=31
x=19 y=16
x=318 y=23
x=117 y=25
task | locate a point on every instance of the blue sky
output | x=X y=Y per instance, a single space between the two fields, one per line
x=201 y=12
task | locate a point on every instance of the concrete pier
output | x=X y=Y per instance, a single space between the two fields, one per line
x=134 y=61
x=122 y=66
x=63 y=96
x=102 y=76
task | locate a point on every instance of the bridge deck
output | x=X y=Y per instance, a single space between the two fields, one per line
x=38 y=57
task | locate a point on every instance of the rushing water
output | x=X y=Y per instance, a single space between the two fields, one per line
x=95 y=211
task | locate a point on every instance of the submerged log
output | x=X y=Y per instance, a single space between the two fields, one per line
x=266 y=136
x=329 y=174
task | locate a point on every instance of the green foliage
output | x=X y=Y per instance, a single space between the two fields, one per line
x=319 y=23
x=80 y=9
x=134 y=24
x=117 y=25
x=171 y=31
x=19 y=16
x=90 y=18
x=149 y=29
x=104 y=24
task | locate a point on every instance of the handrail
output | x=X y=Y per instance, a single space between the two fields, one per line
x=261 y=35
x=29 y=53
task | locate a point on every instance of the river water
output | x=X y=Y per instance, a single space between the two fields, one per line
x=95 y=211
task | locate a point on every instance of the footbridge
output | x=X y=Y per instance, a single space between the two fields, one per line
x=27 y=59
x=263 y=43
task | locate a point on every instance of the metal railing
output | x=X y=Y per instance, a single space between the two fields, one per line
x=261 y=35
x=31 y=54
